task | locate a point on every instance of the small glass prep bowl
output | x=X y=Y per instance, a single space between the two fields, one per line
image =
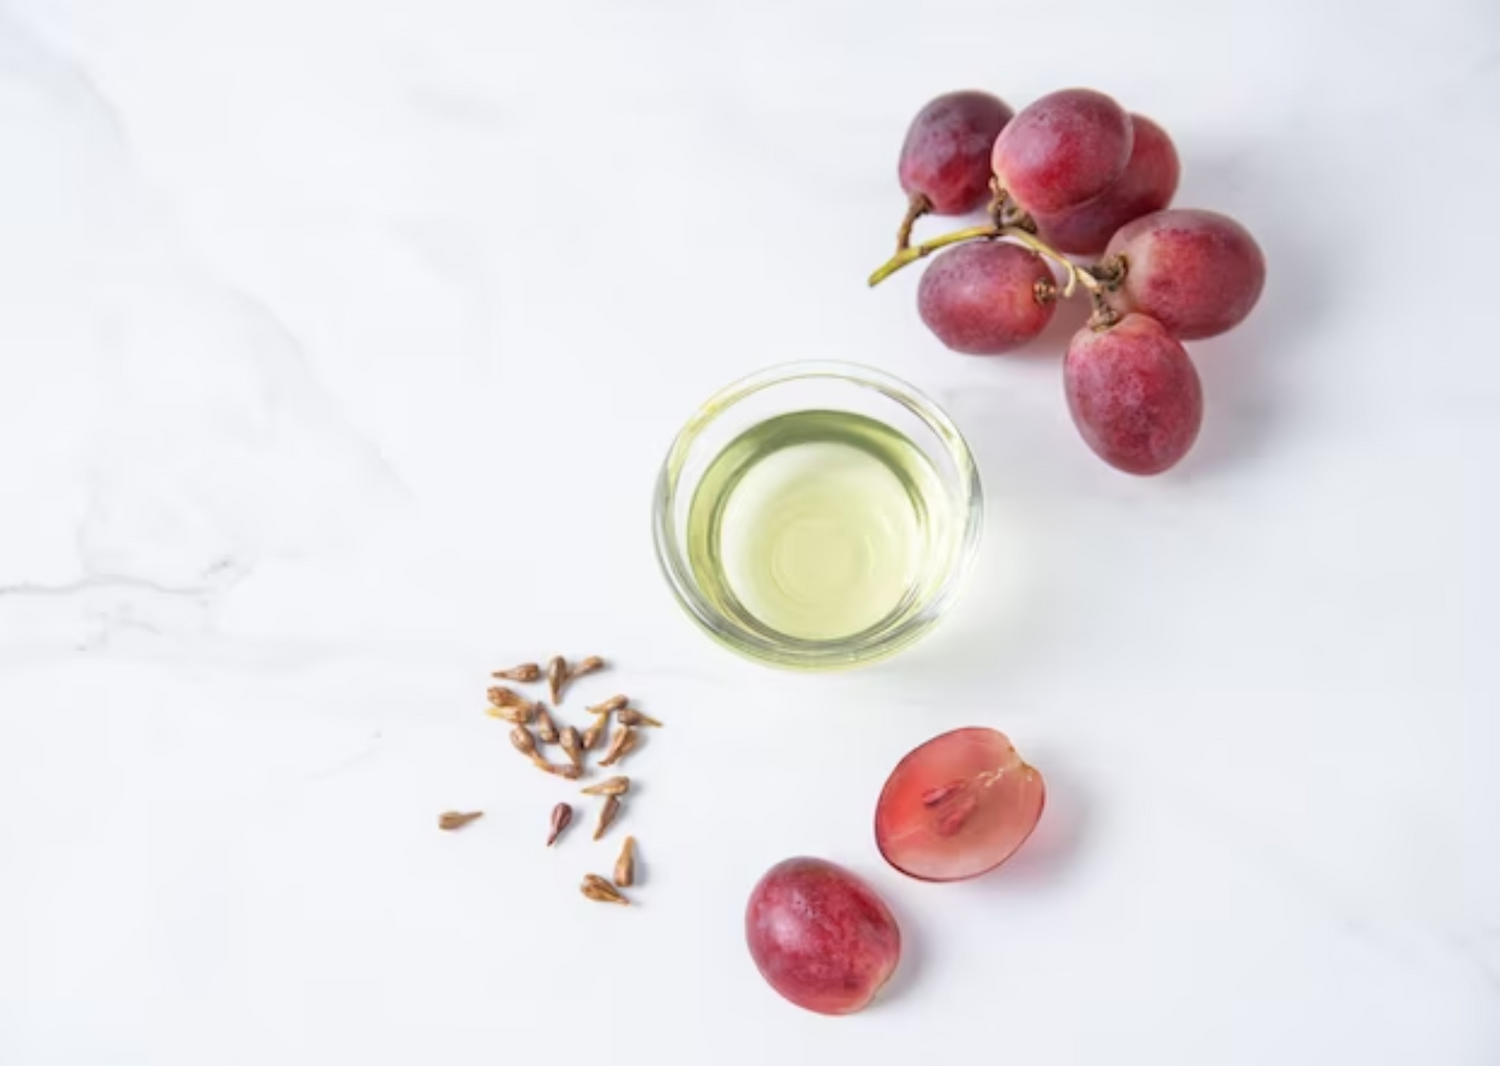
x=822 y=386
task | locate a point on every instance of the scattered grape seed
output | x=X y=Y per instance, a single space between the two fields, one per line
x=595 y=730
x=625 y=864
x=546 y=728
x=572 y=745
x=524 y=672
x=590 y=665
x=613 y=786
x=514 y=715
x=619 y=746
x=631 y=716
x=614 y=703
x=522 y=740
x=568 y=770
x=502 y=696
x=562 y=817
x=450 y=820
x=599 y=890
x=607 y=815
x=557 y=676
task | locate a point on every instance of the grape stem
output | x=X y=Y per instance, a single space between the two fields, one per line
x=917 y=206
x=991 y=231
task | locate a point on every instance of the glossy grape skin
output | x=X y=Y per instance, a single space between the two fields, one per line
x=820 y=936
x=1148 y=184
x=946 y=154
x=981 y=298
x=958 y=806
x=1198 y=273
x=1134 y=394
x=1063 y=150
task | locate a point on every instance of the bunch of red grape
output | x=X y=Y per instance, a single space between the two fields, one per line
x=1075 y=175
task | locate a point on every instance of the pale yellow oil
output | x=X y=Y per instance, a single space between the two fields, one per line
x=816 y=525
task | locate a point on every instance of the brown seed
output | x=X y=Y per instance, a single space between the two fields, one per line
x=562 y=817
x=614 y=703
x=524 y=672
x=599 y=890
x=572 y=745
x=514 y=715
x=590 y=665
x=568 y=770
x=595 y=730
x=625 y=864
x=619 y=746
x=546 y=728
x=613 y=786
x=523 y=741
x=450 y=820
x=557 y=677
x=607 y=815
x=502 y=696
x=631 y=716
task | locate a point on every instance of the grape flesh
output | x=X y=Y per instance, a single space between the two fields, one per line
x=958 y=806
x=982 y=298
x=820 y=936
x=946 y=154
x=1148 y=184
x=1198 y=273
x=1134 y=394
x=1063 y=150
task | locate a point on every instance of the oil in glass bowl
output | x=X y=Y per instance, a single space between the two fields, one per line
x=818 y=526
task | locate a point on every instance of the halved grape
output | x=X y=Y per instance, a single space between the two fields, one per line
x=1148 y=184
x=1134 y=394
x=1062 y=150
x=987 y=297
x=958 y=806
x=946 y=154
x=820 y=936
x=1198 y=273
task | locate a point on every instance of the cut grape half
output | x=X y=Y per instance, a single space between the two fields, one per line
x=958 y=806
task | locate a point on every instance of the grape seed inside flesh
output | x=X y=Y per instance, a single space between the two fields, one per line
x=1134 y=394
x=1198 y=273
x=820 y=936
x=958 y=806
x=946 y=154
x=1063 y=150
x=982 y=298
x=1148 y=184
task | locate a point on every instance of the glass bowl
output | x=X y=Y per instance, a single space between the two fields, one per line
x=951 y=537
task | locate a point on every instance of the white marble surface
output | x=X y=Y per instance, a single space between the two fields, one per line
x=339 y=342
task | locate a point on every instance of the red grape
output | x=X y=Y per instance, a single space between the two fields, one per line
x=946 y=155
x=1148 y=184
x=981 y=298
x=1062 y=150
x=1134 y=394
x=958 y=806
x=1198 y=273
x=820 y=936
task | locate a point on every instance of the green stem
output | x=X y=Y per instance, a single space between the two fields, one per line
x=907 y=256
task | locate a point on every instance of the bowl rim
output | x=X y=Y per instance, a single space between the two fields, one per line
x=816 y=655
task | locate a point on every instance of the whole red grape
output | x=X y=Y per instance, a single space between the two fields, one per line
x=820 y=936
x=1134 y=394
x=1063 y=150
x=1198 y=273
x=1148 y=184
x=946 y=155
x=958 y=806
x=982 y=298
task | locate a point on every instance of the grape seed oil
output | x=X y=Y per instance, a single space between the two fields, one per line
x=816 y=525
